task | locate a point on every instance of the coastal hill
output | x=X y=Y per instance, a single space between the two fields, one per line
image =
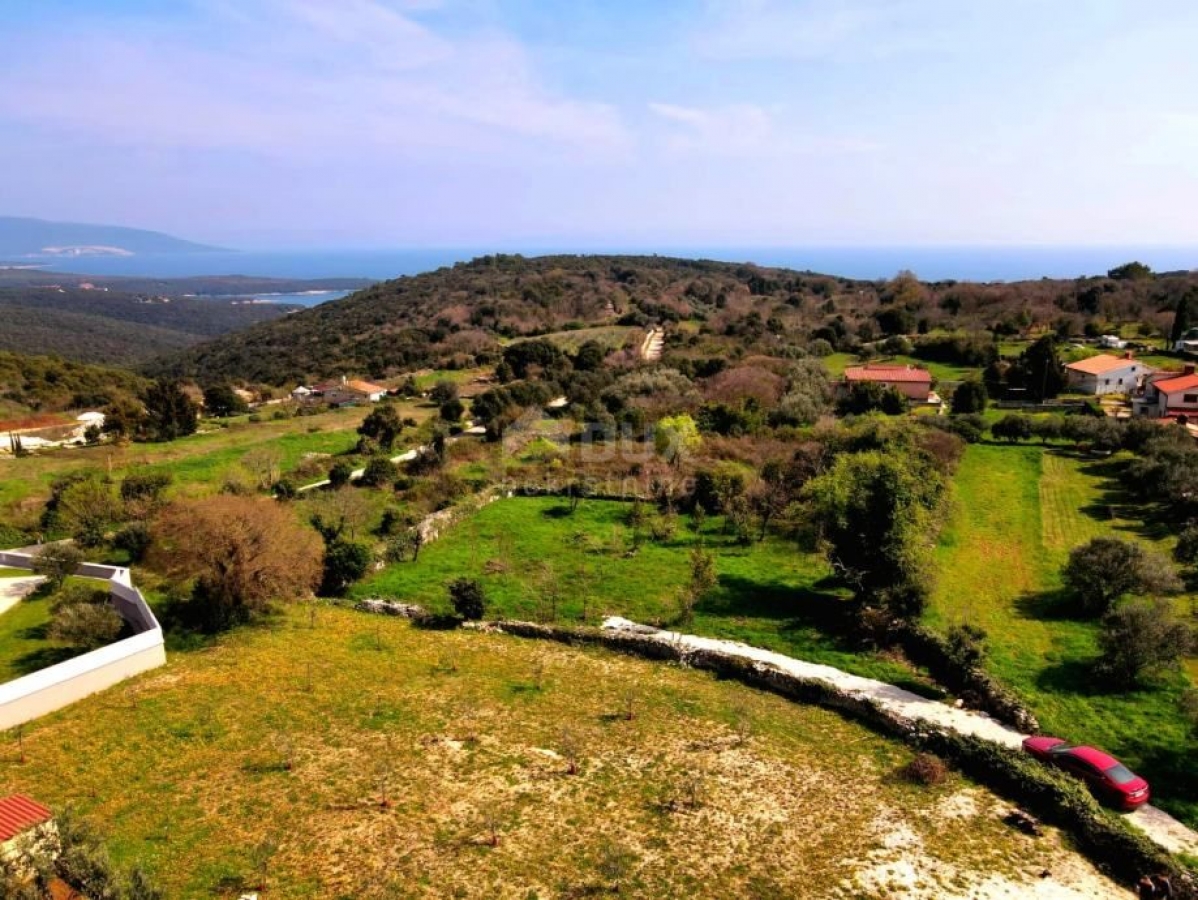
x=94 y=325
x=127 y=321
x=460 y=316
x=24 y=237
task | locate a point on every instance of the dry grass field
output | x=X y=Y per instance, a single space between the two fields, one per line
x=333 y=754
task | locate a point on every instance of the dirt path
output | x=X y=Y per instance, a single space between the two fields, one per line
x=1157 y=824
x=652 y=345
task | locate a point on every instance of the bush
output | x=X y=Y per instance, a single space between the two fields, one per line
x=926 y=769
x=340 y=474
x=134 y=539
x=85 y=625
x=1139 y=640
x=1012 y=428
x=344 y=563
x=379 y=471
x=468 y=598
x=1103 y=570
x=969 y=398
x=1186 y=550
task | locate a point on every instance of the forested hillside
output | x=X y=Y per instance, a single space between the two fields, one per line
x=458 y=316
x=48 y=384
x=116 y=328
x=207 y=285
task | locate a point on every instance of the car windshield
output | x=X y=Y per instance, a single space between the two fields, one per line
x=1120 y=774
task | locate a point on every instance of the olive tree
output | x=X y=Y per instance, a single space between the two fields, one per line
x=1101 y=571
x=875 y=513
x=56 y=562
x=1140 y=639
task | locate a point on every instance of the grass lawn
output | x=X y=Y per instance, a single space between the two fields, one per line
x=612 y=337
x=836 y=363
x=197 y=462
x=24 y=647
x=769 y=594
x=357 y=757
x=1019 y=512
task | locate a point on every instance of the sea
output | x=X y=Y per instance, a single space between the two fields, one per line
x=930 y=263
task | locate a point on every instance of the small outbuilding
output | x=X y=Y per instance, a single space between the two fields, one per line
x=23 y=819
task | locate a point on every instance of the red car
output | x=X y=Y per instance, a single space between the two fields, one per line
x=1107 y=778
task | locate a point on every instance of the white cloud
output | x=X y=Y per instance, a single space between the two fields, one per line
x=745 y=130
x=297 y=77
x=857 y=29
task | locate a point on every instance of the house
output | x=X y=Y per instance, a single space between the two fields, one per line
x=301 y=393
x=1106 y=374
x=1112 y=342
x=23 y=820
x=912 y=382
x=1173 y=397
x=374 y=393
x=1188 y=342
x=345 y=393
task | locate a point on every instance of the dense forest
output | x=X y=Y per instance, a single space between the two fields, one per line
x=459 y=316
x=116 y=328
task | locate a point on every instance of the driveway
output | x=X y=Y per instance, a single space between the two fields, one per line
x=1166 y=831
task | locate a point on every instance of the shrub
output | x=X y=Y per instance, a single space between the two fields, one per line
x=344 y=563
x=1141 y=639
x=468 y=598
x=379 y=471
x=1104 y=569
x=969 y=398
x=340 y=474
x=1186 y=550
x=1012 y=428
x=134 y=539
x=85 y=625
x=241 y=555
x=926 y=769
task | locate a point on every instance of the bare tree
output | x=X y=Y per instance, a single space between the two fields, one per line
x=339 y=513
x=263 y=463
x=243 y=554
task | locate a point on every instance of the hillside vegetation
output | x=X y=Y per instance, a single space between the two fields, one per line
x=49 y=384
x=457 y=316
x=116 y=328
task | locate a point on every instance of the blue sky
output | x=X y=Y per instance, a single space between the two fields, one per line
x=380 y=123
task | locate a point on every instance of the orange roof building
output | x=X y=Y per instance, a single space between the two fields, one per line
x=1106 y=374
x=911 y=381
x=18 y=814
x=373 y=391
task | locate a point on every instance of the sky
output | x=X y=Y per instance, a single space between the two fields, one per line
x=390 y=123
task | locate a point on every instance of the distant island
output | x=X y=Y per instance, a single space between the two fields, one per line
x=25 y=238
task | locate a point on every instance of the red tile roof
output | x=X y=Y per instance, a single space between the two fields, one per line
x=892 y=374
x=1173 y=385
x=366 y=387
x=18 y=813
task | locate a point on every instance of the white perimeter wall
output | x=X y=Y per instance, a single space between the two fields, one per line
x=44 y=691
